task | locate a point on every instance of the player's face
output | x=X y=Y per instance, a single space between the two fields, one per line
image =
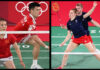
x=36 y=11
x=79 y=9
x=3 y=25
x=72 y=14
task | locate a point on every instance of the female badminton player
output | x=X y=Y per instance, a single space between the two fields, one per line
x=6 y=40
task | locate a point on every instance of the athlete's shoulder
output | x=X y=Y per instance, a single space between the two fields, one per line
x=68 y=21
x=29 y=17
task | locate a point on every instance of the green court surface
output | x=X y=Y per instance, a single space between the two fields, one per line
x=74 y=61
x=26 y=51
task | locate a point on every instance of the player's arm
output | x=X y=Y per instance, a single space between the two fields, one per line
x=67 y=38
x=18 y=53
x=95 y=23
x=63 y=26
x=91 y=10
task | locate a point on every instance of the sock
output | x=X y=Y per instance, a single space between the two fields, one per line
x=35 y=62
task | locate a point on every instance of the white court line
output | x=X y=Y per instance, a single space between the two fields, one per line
x=67 y=44
x=30 y=51
x=24 y=32
x=32 y=58
x=74 y=53
x=65 y=36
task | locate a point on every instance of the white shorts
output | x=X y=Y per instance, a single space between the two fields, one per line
x=3 y=60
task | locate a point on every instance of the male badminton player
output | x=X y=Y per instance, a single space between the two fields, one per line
x=28 y=24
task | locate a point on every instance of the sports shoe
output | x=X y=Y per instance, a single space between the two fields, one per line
x=36 y=66
x=59 y=68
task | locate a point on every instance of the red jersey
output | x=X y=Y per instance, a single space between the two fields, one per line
x=26 y=24
x=5 y=45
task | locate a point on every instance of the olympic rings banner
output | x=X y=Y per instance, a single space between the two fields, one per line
x=60 y=11
x=14 y=11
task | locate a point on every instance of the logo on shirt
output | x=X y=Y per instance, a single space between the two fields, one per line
x=6 y=41
x=76 y=21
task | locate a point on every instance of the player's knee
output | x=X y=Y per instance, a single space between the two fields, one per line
x=66 y=55
x=34 y=43
x=31 y=42
x=11 y=66
x=34 y=36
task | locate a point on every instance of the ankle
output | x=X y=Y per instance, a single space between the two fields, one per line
x=35 y=62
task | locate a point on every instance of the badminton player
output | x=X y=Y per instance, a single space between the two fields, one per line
x=6 y=40
x=80 y=35
x=29 y=24
x=85 y=21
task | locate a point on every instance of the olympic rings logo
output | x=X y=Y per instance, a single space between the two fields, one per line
x=27 y=8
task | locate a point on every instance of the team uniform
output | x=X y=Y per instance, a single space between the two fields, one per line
x=5 y=53
x=80 y=34
x=85 y=25
x=26 y=24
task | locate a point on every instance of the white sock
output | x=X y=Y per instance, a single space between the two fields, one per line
x=35 y=62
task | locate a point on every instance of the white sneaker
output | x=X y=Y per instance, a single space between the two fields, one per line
x=98 y=50
x=36 y=66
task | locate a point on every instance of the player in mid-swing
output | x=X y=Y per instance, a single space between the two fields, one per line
x=80 y=35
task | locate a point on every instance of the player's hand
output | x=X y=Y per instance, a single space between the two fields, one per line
x=22 y=63
x=61 y=44
x=63 y=26
x=95 y=4
x=47 y=47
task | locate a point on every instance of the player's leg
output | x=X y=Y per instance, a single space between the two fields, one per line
x=9 y=64
x=71 y=46
x=90 y=47
x=95 y=47
x=91 y=41
x=35 y=51
x=93 y=44
x=38 y=40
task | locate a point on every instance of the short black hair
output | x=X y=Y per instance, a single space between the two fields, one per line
x=33 y=5
x=2 y=19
